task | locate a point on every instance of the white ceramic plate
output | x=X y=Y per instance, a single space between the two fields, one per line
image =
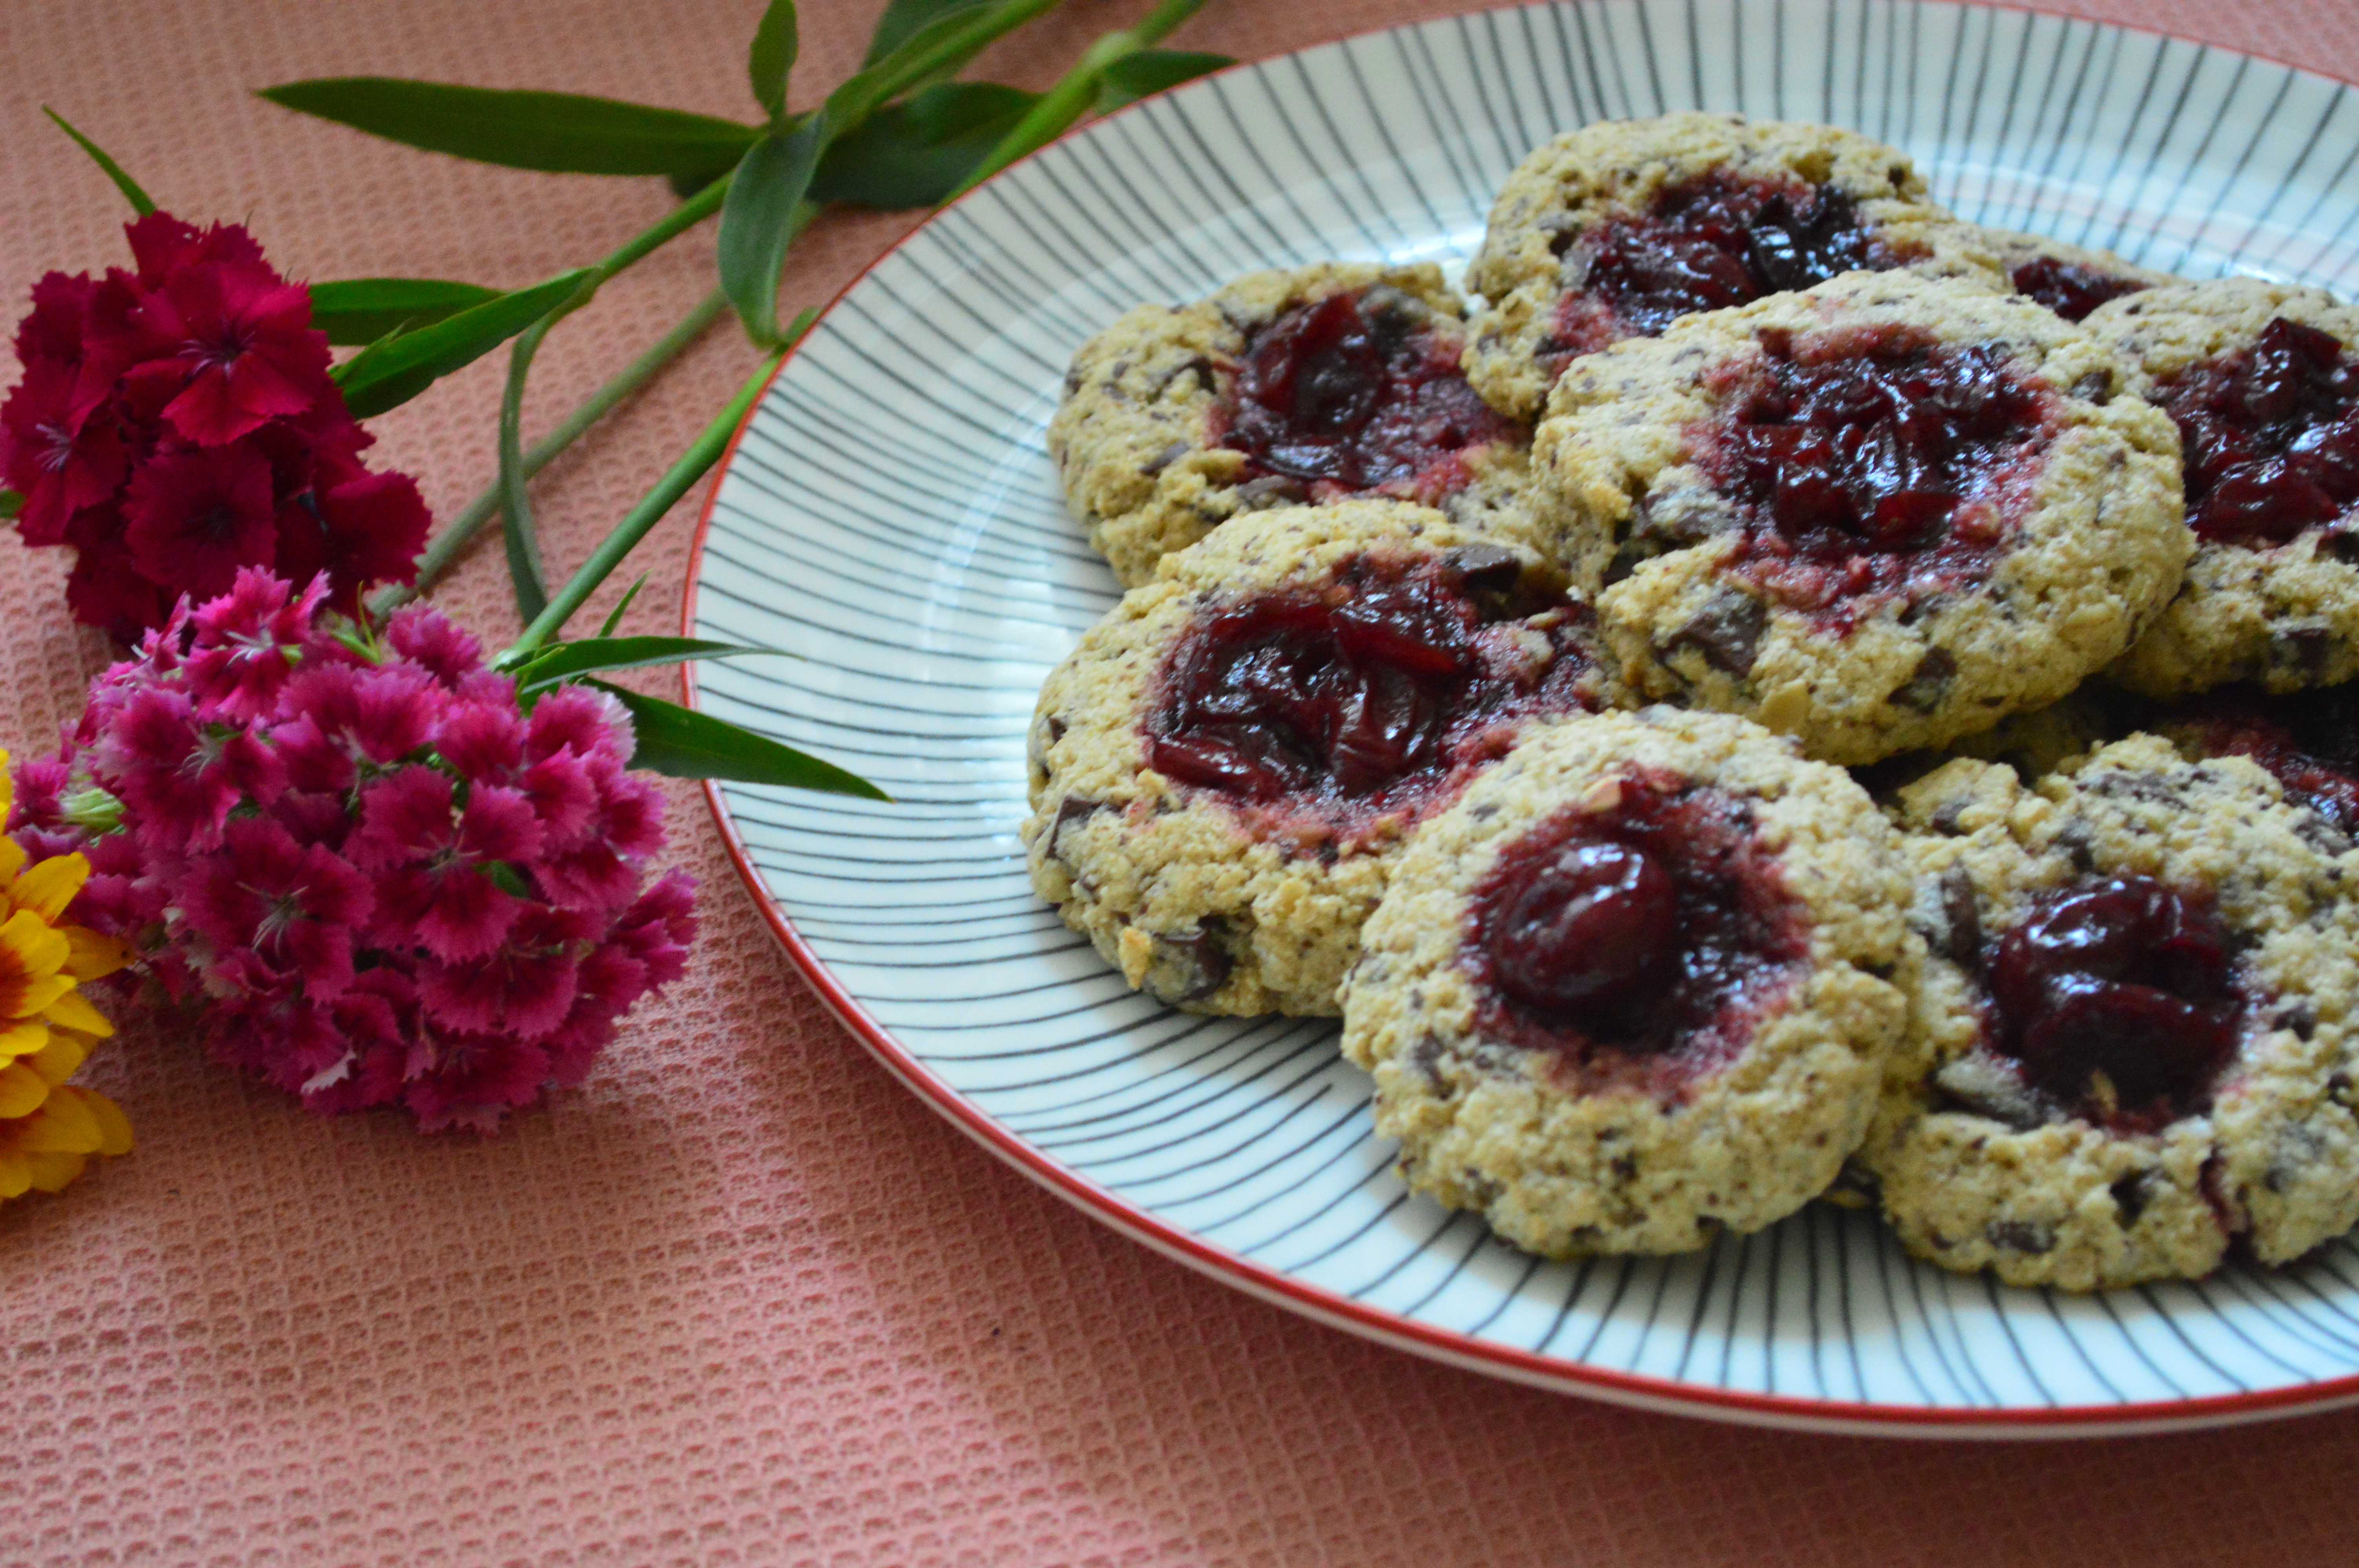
x=889 y=514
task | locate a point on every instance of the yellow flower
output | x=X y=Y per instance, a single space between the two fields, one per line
x=48 y=1127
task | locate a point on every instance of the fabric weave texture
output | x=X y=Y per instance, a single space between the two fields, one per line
x=739 y=1298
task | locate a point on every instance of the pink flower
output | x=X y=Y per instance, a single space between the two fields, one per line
x=372 y=876
x=177 y=422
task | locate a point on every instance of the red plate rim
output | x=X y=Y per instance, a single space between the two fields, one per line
x=1662 y=1395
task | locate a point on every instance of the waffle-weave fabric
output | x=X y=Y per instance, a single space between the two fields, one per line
x=741 y=1299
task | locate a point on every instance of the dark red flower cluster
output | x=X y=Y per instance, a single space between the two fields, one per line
x=176 y=422
x=378 y=877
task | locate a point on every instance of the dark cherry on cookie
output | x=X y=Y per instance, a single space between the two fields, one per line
x=1721 y=241
x=1638 y=941
x=2116 y=997
x=2071 y=290
x=1330 y=706
x=1353 y=393
x=1870 y=465
x=2271 y=437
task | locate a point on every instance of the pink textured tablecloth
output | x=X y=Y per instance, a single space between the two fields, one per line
x=741 y=1299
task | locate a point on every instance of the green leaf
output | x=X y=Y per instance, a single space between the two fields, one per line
x=775 y=44
x=563 y=661
x=11 y=502
x=397 y=368
x=858 y=96
x=685 y=744
x=518 y=538
x=362 y=310
x=558 y=132
x=903 y=19
x=614 y=617
x=1149 y=71
x=914 y=153
x=139 y=200
x=757 y=221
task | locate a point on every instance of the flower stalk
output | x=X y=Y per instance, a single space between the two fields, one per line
x=1077 y=91
x=676 y=481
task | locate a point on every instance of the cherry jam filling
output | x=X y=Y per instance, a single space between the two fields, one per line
x=2116 y=998
x=1706 y=245
x=1640 y=943
x=2069 y=288
x=1871 y=465
x=2271 y=438
x=1332 y=708
x=2309 y=740
x=1355 y=393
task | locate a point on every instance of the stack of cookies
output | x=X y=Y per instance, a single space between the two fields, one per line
x=1786 y=695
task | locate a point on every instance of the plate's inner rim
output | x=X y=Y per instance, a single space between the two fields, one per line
x=823 y=433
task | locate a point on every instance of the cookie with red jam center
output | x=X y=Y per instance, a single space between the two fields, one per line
x=1876 y=515
x=1619 y=229
x=2130 y=1052
x=1284 y=388
x=2307 y=741
x=1223 y=771
x=2262 y=379
x=1637 y=986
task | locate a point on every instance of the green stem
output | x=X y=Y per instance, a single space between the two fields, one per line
x=675 y=483
x=1058 y=108
x=445 y=545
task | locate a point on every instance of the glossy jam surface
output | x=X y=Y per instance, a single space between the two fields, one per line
x=1355 y=393
x=2309 y=740
x=1870 y=465
x=1640 y=941
x=2116 y=998
x=1373 y=695
x=1705 y=245
x=2069 y=288
x=2271 y=436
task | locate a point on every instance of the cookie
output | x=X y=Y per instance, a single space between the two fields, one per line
x=2131 y=1045
x=1618 y=228
x=2263 y=380
x=1283 y=388
x=1637 y=986
x=2068 y=279
x=1876 y=516
x=1223 y=771
x=2307 y=741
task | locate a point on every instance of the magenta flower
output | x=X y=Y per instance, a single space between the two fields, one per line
x=176 y=422
x=373 y=874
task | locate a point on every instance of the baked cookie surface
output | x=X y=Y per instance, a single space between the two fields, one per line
x=2070 y=280
x=1615 y=230
x=2263 y=380
x=1875 y=516
x=1224 y=769
x=1637 y=986
x=1285 y=387
x=2131 y=1040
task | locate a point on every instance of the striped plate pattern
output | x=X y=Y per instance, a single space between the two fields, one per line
x=889 y=516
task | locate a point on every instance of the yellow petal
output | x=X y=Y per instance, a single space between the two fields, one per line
x=55 y=1172
x=90 y=957
x=40 y=948
x=50 y=885
x=71 y=1009
x=22 y=1090
x=23 y=1038
x=64 y=1126
x=113 y=1127
x=39 y=996
x=7 y=788
x=16 y=1175
x=12 y=860
x=58 y=1062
